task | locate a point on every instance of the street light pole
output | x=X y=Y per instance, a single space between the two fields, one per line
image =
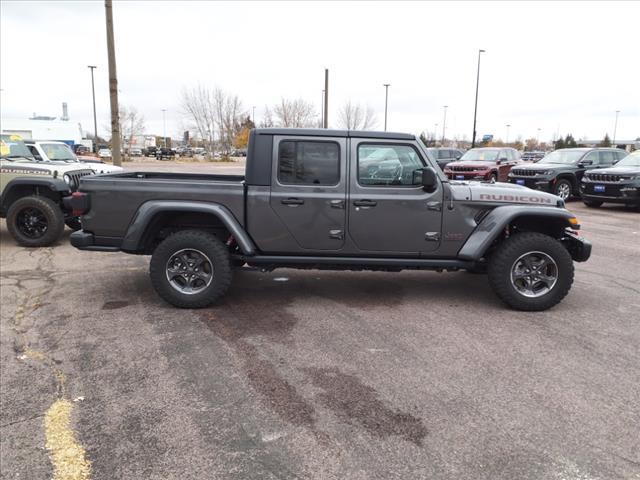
x=435 y=134
x=322 y=110
x=615 y=127
x=164 y=128
x=507 y=142
x=253 y=115
x=325 y=118
x=444 y=124
x=538 y=138
x=386 y=102
x=95 y=121
x=475 y=110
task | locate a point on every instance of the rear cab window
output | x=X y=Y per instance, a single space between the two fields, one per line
x=304 y=162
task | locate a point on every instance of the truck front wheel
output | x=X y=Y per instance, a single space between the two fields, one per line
x=35 y=221
x=531 y=271
x=191 y=269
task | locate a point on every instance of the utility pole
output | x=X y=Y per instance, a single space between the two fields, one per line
x=322 y=110
x=615 y=127
x=444 y=124
x=95 y=121
x=508 y=125
x=435 y=134
x=538 y=138
x=113 y=86
x=253 y=116
x=386 y=102
x=475 y=110
x=325 y=118
x=164 y=128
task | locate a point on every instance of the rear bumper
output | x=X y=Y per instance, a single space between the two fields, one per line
x=87 y=241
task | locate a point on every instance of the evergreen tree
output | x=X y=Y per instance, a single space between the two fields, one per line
x=559 y=143
x=569 y=141
x=606 y=141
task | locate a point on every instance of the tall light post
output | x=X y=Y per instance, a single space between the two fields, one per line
x=113 y=86
x=435 y=134
x=615 y=127
x=322 y=110
x=325 y=118
x=95 y=121
x=538 y=138
x=508 y=125
x=164 y=128
x=475 y=109
x=386 y=102
x=444 y=124
x=253 y=115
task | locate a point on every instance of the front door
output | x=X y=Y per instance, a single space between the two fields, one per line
x=388 y=212
x=308 y=191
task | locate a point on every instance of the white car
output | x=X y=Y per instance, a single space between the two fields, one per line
x=104 y=153
x=60 y=152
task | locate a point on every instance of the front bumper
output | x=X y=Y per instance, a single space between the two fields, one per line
x=578 y=247
x=542 y=184
x=613 y=192
x=87 y=241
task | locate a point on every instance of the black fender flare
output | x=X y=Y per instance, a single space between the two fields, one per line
x=55 y=185
x=496 y=221
x=148 y=210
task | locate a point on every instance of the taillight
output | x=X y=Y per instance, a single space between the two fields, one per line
x=78 y=203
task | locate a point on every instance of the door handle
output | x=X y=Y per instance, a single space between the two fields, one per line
x=337 y=203
x=292 y=201
x=365 y=203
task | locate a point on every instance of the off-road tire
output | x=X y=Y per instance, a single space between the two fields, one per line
x=504 y=257
x=51 y=212
x=593 y=203
x=210 y=246
x=73 y=223
x=557 y=187
x=493 y=178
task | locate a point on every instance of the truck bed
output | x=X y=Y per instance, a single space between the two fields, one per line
x=118 y=196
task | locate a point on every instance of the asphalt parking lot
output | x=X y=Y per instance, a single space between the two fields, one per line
x=323 y=375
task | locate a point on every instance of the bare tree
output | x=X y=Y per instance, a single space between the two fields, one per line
x=131 y=125
x=296 y=113
x=213 y=110
x=353 y=116
x=198 y=105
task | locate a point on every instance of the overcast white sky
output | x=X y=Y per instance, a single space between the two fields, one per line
x=563 y=67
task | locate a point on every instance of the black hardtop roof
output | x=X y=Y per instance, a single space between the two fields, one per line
x=321 y=132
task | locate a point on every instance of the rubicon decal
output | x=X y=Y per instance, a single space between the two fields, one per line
x=514 y=198
x=25 y=171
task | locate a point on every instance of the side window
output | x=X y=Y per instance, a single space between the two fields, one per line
x=33 y=150
x=620 y=154
x=607 y=158
x=443 y=154
x=593 y=156
x=387 y=165
x=308 y=163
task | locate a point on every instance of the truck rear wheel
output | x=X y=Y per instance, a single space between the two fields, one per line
x=191 y=269
x=531 y=271
x=35 y=221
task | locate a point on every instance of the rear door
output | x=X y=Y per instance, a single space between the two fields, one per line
x=389 y=212
x=308 y=191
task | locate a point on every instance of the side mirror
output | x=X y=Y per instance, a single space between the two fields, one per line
x=457 y=156
x=502 y=160
x=584 y=163
x=427 y=177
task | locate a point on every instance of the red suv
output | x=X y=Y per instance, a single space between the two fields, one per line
x=483 y=164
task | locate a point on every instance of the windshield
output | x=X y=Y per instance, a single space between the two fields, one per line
x=58 y=152
x=12 y=147
x=631 y=160
x=564 y=156
x=480 y=156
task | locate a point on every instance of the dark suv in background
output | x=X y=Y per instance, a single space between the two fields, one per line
x=443 y=156
x=490 y=163
x=560 y=172
x=618 y=184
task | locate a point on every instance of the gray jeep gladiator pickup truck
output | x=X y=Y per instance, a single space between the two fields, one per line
x=331 y=199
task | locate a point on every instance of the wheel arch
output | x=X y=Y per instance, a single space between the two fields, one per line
x=548 y=220
x=17 y=188
x=155 y=215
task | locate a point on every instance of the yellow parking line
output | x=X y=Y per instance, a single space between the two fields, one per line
x=67 y=455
